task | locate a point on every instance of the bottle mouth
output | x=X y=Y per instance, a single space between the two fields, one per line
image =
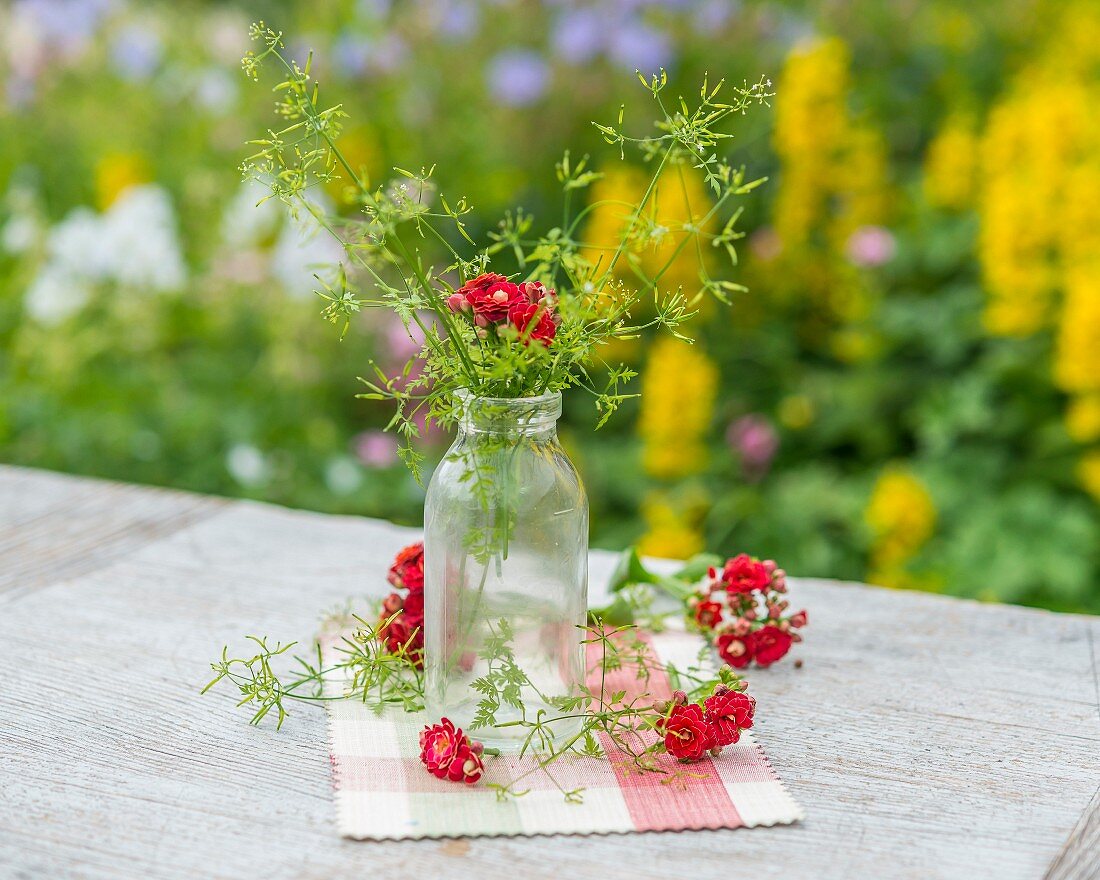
x=508 y=414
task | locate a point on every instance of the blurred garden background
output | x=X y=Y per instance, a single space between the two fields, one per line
x=908 y=395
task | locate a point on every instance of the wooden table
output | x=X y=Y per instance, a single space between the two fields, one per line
x=925 y=736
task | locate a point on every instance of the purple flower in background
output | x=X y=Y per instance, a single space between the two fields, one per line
x=389 y=54
x=755 y=440
x=376 y=449
x=713 y=15
x=19 y=91
x=356 y=56
x=373 y=9
x=351 y=54
x=578 y=35
x=518 y=77
x=871 y=246
x=637 y=46
x=67 y=24
x=136 y=52
x=459 y=19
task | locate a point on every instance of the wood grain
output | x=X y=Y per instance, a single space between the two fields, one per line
x=925 y=736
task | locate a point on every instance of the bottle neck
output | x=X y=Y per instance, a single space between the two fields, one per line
x=510 y=417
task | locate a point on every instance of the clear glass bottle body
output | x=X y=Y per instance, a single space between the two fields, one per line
x=506 y=567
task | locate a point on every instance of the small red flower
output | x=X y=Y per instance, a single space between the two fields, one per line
x=414 y=605
x=729 y=712
x=771 y=643
x=488 y=296
x=466 y=766
x=407 y=571
x=736 y=650
x=743 y=575
x=533 y=321
x=798 y=619
x=439 y=745
x=403 y=633
x=708 y=614
x=536 y=291
x=392 y=604
x=686 y=732
x=449 y=754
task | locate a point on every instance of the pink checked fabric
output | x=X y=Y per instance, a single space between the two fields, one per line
x=383 y=791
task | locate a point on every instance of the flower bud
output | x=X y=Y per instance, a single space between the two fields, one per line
x=679 y=698
x=392 y=604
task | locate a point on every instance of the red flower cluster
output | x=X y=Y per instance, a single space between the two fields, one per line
x=692 y=731
x=492 y=301
x=741 y=607
x=449 y=754
x=401 y=622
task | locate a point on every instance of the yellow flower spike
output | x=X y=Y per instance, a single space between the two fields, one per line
x=810 y=127
x=1040 y=191
x=1077 y=349
x=361 y=151
x=950 y=165
x=679 y=383
x=1088 y=472
x=117 y=172
x=1083 y=418
x=679 y=200
x=668 y=535
x=902 y=516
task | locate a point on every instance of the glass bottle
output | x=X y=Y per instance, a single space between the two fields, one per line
x=506 y=572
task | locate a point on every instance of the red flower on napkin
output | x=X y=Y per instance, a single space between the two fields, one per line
x=728 y=713
x=687 y=734
x=449 y=754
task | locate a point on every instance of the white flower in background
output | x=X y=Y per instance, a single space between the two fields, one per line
x=302 y=247
x=19 y=234
x=76 y=246
x=246 y=464
x=305 y=249
x=134 y=244
x=140 y=239
x=246 y=223
x=343 y=476
x=216 y=90
x=25 y=227
x=54 y=295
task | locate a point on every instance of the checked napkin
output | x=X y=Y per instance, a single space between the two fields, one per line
x=384 y=792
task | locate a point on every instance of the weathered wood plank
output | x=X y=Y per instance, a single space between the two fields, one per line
x=926 y=737
x=54 y=527
x=1080 y=857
